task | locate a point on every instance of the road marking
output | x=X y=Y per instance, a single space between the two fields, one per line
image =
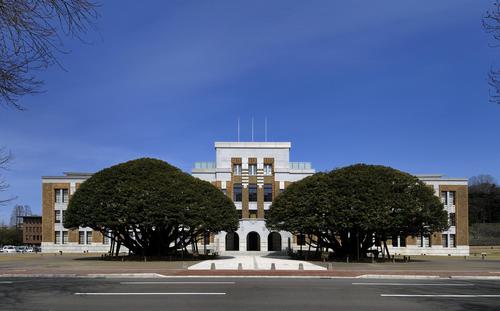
x=442 y=296
x=415 y=284
x=153 y=283
x=5 y=282
x=135 y=294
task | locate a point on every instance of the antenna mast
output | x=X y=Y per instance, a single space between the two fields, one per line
x=265 y=129
x=238 y=129
x=252 y=128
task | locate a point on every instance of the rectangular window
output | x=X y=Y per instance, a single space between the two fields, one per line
x=268 y=169
x=252 y=193
x=65 y=195
x=65 y=237
x=58 y=237
x=452 y=197
x=453 y=219
x=253 y=214
x=252 y=169
x=444 y=197
x=240 y=214
x=268 y=193
x=237 y=192
x=81 y=237
x=237 y=169
x=105 y=239
x=301 y=239
x=453 y=242
x=424 y=241
x=206 y=238
x=395 y=239
x=89 y=237
x=57 y=218
x=224 y=191
x=444 y=240
x=61 y=195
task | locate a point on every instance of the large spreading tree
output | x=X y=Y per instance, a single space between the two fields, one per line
x=150 y=207
x=349 y=210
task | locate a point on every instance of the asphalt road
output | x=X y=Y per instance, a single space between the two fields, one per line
x=246 y=294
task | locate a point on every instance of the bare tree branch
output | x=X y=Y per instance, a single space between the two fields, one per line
x=5 y=158
x=31 y=33
x=491 y=24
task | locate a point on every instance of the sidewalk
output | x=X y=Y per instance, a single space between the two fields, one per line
x=88 y=266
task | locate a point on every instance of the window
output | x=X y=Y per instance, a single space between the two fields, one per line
x=65 y=237
x=453 y=219
x=105 y=237
x=453 y=242
x=57 y=217
x=253 y=214
x=237 y=190
x=252 y=169
x=58 y=237
x=268 y=169
x=395 y=239
x=61 y=195
x=424 y=241
x=240 y=214
x=301 y=239
x=444 y=240
x=224 y=191
x=452 y=197
x=252 y=193
x=81 y=237
x=206 y=238
x=89 y=237
x=268 y=193
x=444 y=197
x=237 y=169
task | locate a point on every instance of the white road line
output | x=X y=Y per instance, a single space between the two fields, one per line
x=5 y=282
x=442 y=296
x=135 y=294
x=161 y=283
x=414 y=284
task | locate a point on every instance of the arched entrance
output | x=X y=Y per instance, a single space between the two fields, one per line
x=253 y=241
x=232 y=241
x=274 y=242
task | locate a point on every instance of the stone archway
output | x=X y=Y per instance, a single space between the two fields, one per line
x=274 y=242
x=232 y=241
x=253 y=241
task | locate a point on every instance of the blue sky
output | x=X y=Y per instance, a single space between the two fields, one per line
x=398 y=83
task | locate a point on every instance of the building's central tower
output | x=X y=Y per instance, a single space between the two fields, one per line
x=252 y=174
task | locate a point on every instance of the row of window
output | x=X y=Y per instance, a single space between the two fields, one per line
x=84 y=237
x=447 y=240
x=33 y=229
x=252 y=169
x=252 y=193
x=35 y=237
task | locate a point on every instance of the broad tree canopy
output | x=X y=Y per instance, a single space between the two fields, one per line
x=150 y=206
x=347 y=208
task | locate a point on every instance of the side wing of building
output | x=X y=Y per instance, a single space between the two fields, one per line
x=56 y=193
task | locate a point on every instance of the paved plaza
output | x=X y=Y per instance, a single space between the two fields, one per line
x=248 y=262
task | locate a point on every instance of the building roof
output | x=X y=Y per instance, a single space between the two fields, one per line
x=254 y=145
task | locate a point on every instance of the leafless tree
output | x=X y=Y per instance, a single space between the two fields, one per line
x=18 y=211
x=5 y=158
x=31 y=38
x=481 y=179
x=491 y=24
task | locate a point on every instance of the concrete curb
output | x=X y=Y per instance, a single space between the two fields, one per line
x=397 y=276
